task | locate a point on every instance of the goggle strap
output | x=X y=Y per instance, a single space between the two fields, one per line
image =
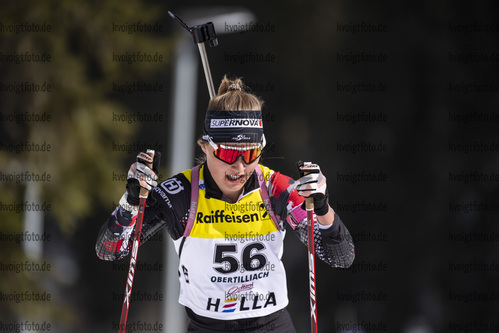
x=210 y=141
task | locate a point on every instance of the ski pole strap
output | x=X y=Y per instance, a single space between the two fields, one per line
x=265 y=196
x=194 y=199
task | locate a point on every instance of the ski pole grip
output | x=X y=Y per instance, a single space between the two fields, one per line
x=309 y=202
x=143 y=191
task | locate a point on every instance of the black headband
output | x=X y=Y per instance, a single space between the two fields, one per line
x=233 y=126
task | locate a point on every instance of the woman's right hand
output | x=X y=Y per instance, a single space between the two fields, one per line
x=140 y=175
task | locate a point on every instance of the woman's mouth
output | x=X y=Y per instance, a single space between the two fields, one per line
x=234 y=178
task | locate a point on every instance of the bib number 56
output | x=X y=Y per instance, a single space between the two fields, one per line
x=250 y=259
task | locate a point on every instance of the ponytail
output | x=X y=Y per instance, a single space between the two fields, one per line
x=232 y=96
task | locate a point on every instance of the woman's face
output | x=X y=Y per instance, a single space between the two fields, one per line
x=230 y=178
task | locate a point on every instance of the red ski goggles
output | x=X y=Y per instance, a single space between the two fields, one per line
x=230 y=154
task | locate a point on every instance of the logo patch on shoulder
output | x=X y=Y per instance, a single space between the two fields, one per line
x=172 y=186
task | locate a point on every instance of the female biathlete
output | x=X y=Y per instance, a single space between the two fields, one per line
x=227 y=219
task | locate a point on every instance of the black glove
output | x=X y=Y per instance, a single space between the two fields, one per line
x=140 y=175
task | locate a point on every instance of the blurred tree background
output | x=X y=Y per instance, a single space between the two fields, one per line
x=72 y=126
x=415 y=81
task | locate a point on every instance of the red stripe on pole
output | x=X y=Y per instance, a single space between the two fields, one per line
x=311 y=267
x=131 y=269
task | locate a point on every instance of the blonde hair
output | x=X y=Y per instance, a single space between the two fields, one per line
x=232 y=96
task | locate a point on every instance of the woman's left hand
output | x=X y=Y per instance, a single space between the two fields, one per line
x=313 y=184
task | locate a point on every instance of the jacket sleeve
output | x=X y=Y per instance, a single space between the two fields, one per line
x=333 y=245
x=167 y=206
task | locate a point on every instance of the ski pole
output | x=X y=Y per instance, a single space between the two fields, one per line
x=143 y=194
x=202 y=33
x=309 y=206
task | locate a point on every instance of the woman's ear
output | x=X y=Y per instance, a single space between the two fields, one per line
x=203 y=145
